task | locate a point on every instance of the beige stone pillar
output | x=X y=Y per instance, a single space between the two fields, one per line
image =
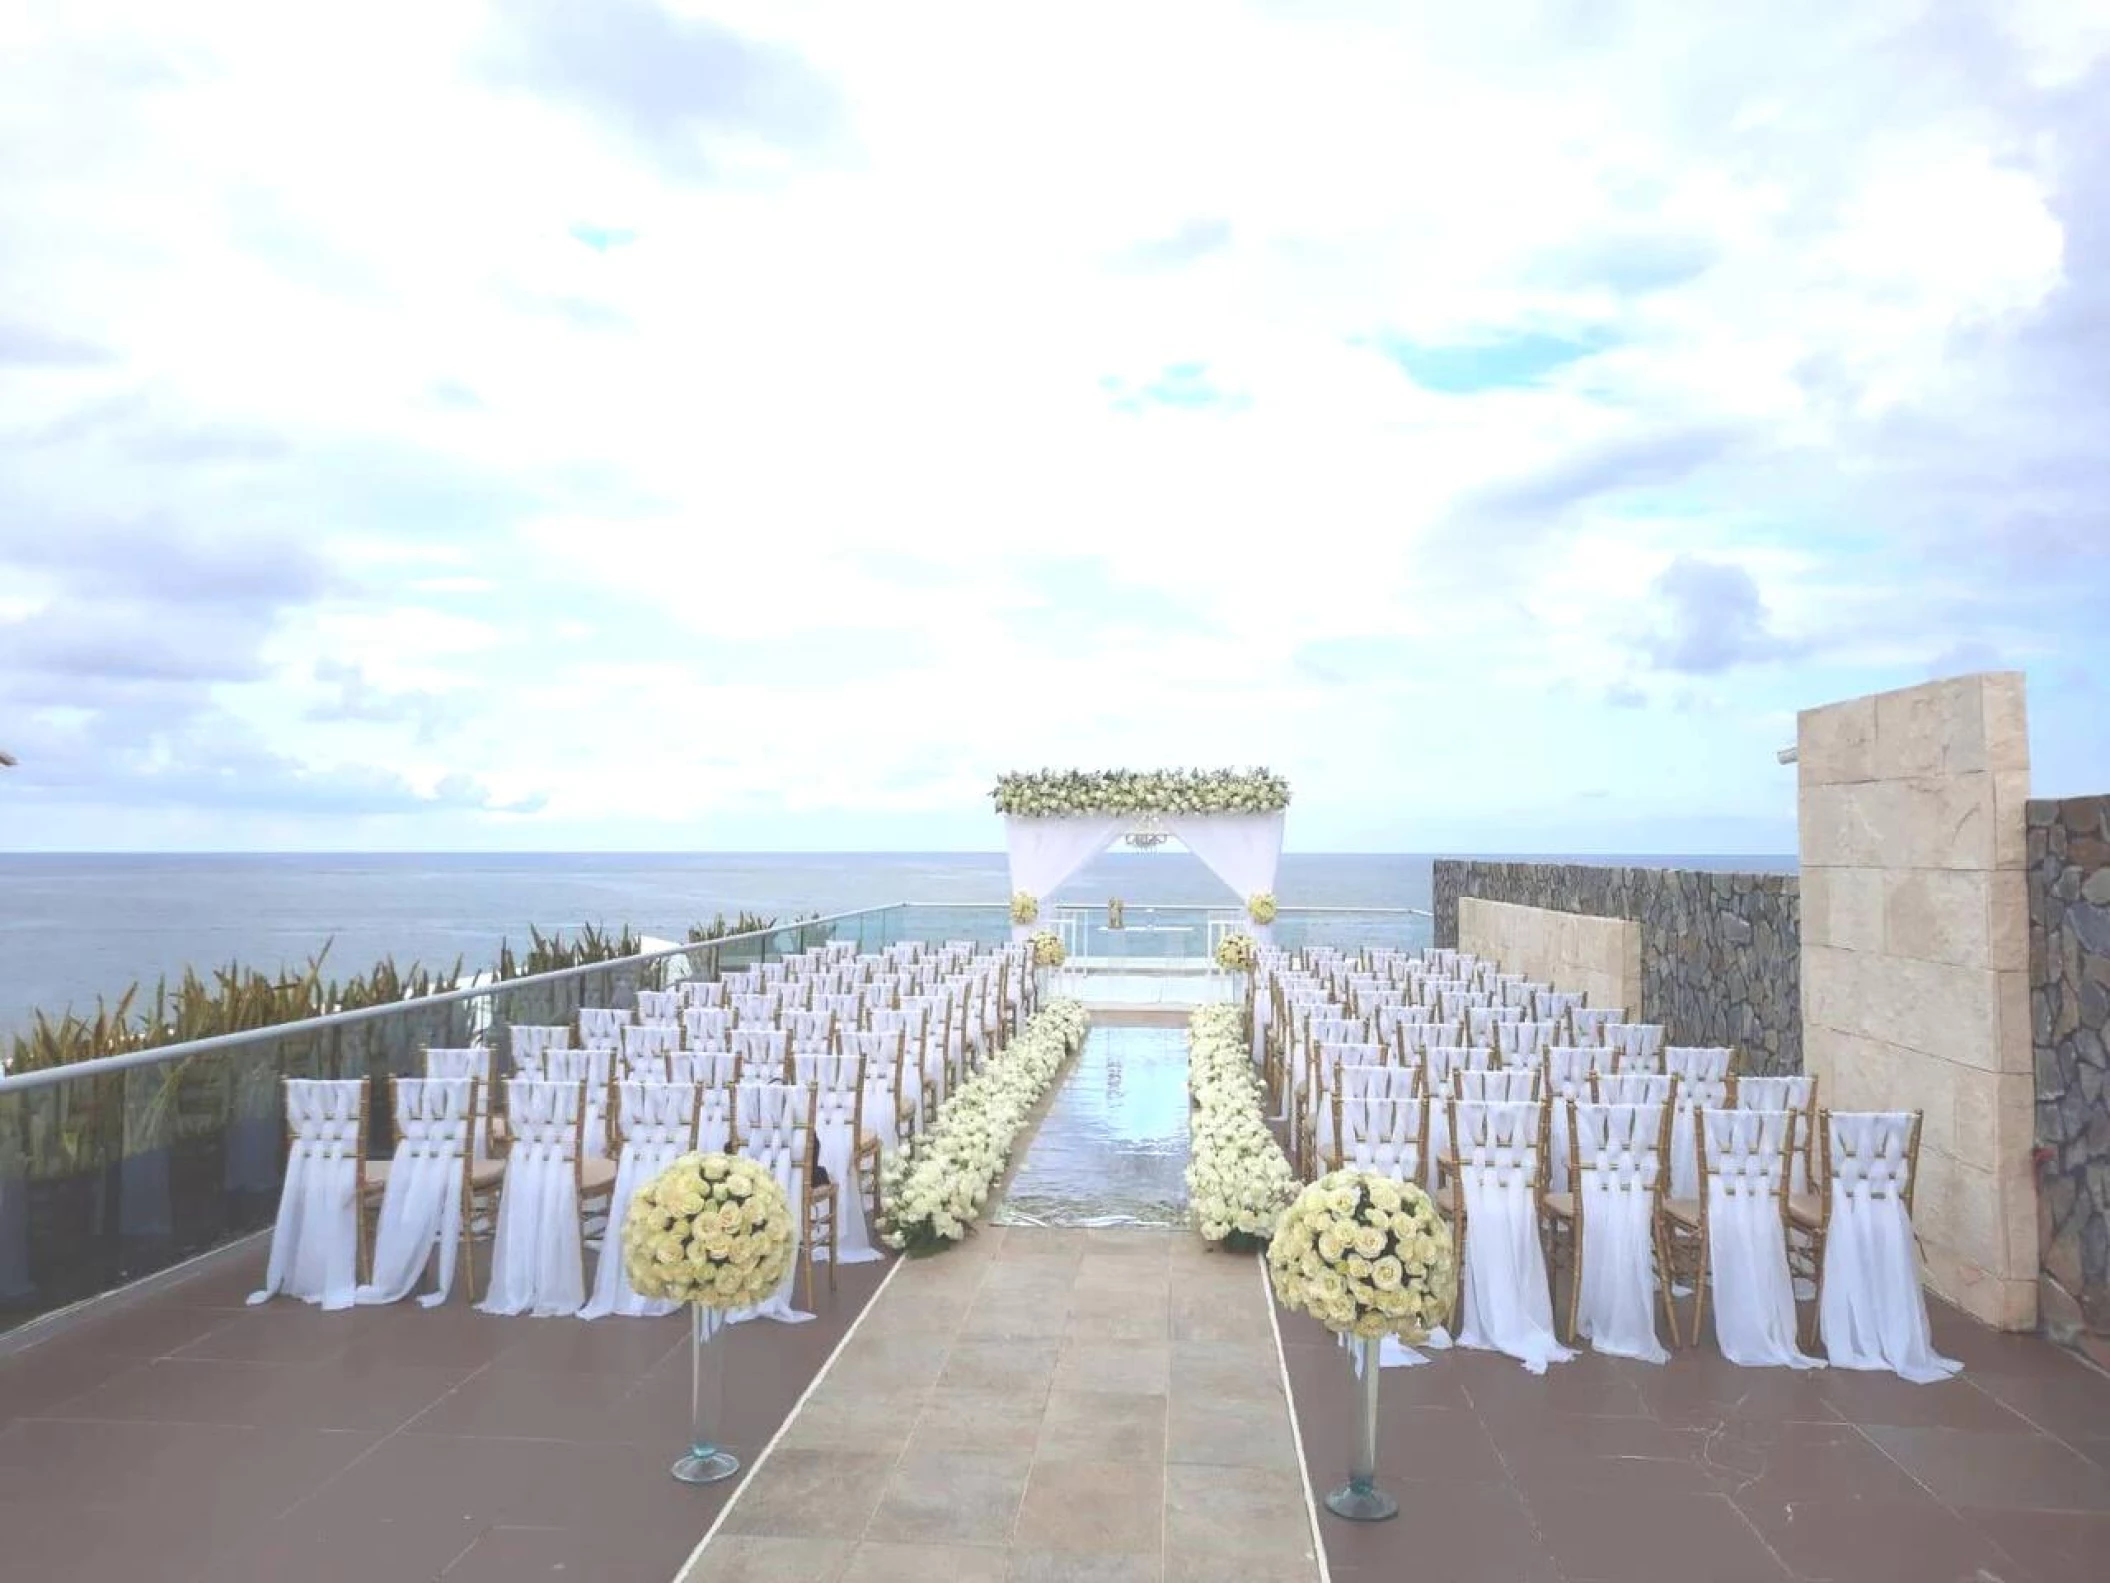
x=1915 y=959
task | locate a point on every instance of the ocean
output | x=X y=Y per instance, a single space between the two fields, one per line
x=74 y=926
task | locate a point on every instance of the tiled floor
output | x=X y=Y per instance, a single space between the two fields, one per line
x=1040 y=1405
x=188 y=1437
x=1605 y=1469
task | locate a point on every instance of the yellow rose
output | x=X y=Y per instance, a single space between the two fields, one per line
x=1387 y=1274
x=1330 y=1245
x=1385 y=1195
x=1358 y=1267
x=1369 y=1242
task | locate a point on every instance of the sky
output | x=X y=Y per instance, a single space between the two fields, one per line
x=455 y=425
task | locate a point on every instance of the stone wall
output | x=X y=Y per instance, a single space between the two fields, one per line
x=1719 y=961
x=1915 y=960
x=1569 y=950
x=2069 y=978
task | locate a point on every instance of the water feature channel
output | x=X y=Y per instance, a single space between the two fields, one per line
x=1112 y=1148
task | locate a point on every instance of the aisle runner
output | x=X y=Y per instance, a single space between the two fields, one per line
x=1040 y=1390
x=1112 y=1148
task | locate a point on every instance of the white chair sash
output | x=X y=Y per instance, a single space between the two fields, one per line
x=1754 y=1296
x=538 y=1262
x=1618 y=1175
x=315 y=1240
x=773 y=1121
x=658 y=1122
x=1508 y=1301
x=422 y=1204
x=1703 y=1084
x=658 y=1005
x=1872 y=1311
x=601 y=1026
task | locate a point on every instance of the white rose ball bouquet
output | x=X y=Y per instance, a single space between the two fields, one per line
x=1048 y=949
x=1236 y=953
x=1366 y=1256
x=711 y=1229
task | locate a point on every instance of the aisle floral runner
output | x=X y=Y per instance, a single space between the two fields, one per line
x=1238 y=1180
x=934 y=1187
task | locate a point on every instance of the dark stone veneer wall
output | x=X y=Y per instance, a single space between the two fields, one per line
x=1720 y=953
x=2069 y=996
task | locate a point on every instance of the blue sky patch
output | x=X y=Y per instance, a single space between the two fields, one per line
x=1461 y=368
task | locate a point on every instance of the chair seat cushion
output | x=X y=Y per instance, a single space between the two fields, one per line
x=1447 y=1198
x=1560 y=1204
x=597 y=1175
x=1685 y=1211
x=487 y=1173
x=1806 y=1209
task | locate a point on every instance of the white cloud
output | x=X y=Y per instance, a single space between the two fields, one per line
x=765 y=505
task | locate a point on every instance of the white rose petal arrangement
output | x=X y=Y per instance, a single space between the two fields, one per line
x=1236 y=953
x=1238 y=1180
x=1068 y=794
x=711 y=1229
x=1366 y=1256
x=1048 y=949
x=1025 y=908
x=934 y=1186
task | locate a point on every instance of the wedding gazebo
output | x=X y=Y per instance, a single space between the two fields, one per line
x=1056 y=821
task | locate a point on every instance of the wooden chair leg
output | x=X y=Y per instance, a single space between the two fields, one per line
x=1699 y=1288
x=1665 y=1282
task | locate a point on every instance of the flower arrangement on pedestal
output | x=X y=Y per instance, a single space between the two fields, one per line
x=1236 y=953
x=935 y=1185
x=1368 y=1257
x=1261 y=908
x=1025 y=908
x=1238 y=1181
x=713 y=1231
x=1048 y=949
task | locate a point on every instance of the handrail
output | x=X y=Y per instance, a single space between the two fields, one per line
x=51 y=1076
x=1185 y=906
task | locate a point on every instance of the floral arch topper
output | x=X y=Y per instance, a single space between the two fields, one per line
x=1056 y=821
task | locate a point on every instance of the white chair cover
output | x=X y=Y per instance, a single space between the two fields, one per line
x=1703 y=1084
x=422 y=1203
x=1526 y=1043
x=470 y=1061
x=595 y=1067
x=773 y=1120
x=837 y=1084
x=1589 y=1022
x=315 y=1241
x=714 y=1119
x=1634 y=1038
x=525 y=1042
x=762 y=1051
x=1551 y=1005
x=1872 y=1311
x=1618 y=1173
x=658 y=1005
x=642 y=1039
x=658 y=1121
x=1508 y=1301
x=704 y=1068
x=1568 y=1069
x=1509 y=1086
x=538 y=1260
x=1754 y=1297
x=600 y=1026
x=697 y=992
x=882 y=1056
x=1797 y=1094
x=1635 y=1088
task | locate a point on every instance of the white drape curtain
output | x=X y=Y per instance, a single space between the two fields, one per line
x=1243 y=850
x=1045 y=852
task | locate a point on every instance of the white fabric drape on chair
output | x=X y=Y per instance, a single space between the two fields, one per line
x=1872 y=1312
x=315 y=1243
x=1508 y=1301
x=1618 y=1171
x=422 y=1203
x=1045 y=852
x=659 y=1126
x=538 y=1259
x=1747 y=1244
x=1243 y=850
x=774 y=1121
x=836 y=1083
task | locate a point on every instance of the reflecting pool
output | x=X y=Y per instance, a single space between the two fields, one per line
x=1112 y=1148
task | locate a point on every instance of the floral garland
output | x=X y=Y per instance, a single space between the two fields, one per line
x=1261 y=908
x=1236 y=953
x=933 y=1187
x=1048 y=949
x=1058 y=794
x=1025 y=907
x=1365 y=1255
x=711 y=1229
x=1238 y=1181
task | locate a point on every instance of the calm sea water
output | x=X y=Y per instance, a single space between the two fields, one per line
x=74 y=926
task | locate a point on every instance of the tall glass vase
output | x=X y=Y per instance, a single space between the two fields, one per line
x=1360 y=1500
x=707 y=1462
